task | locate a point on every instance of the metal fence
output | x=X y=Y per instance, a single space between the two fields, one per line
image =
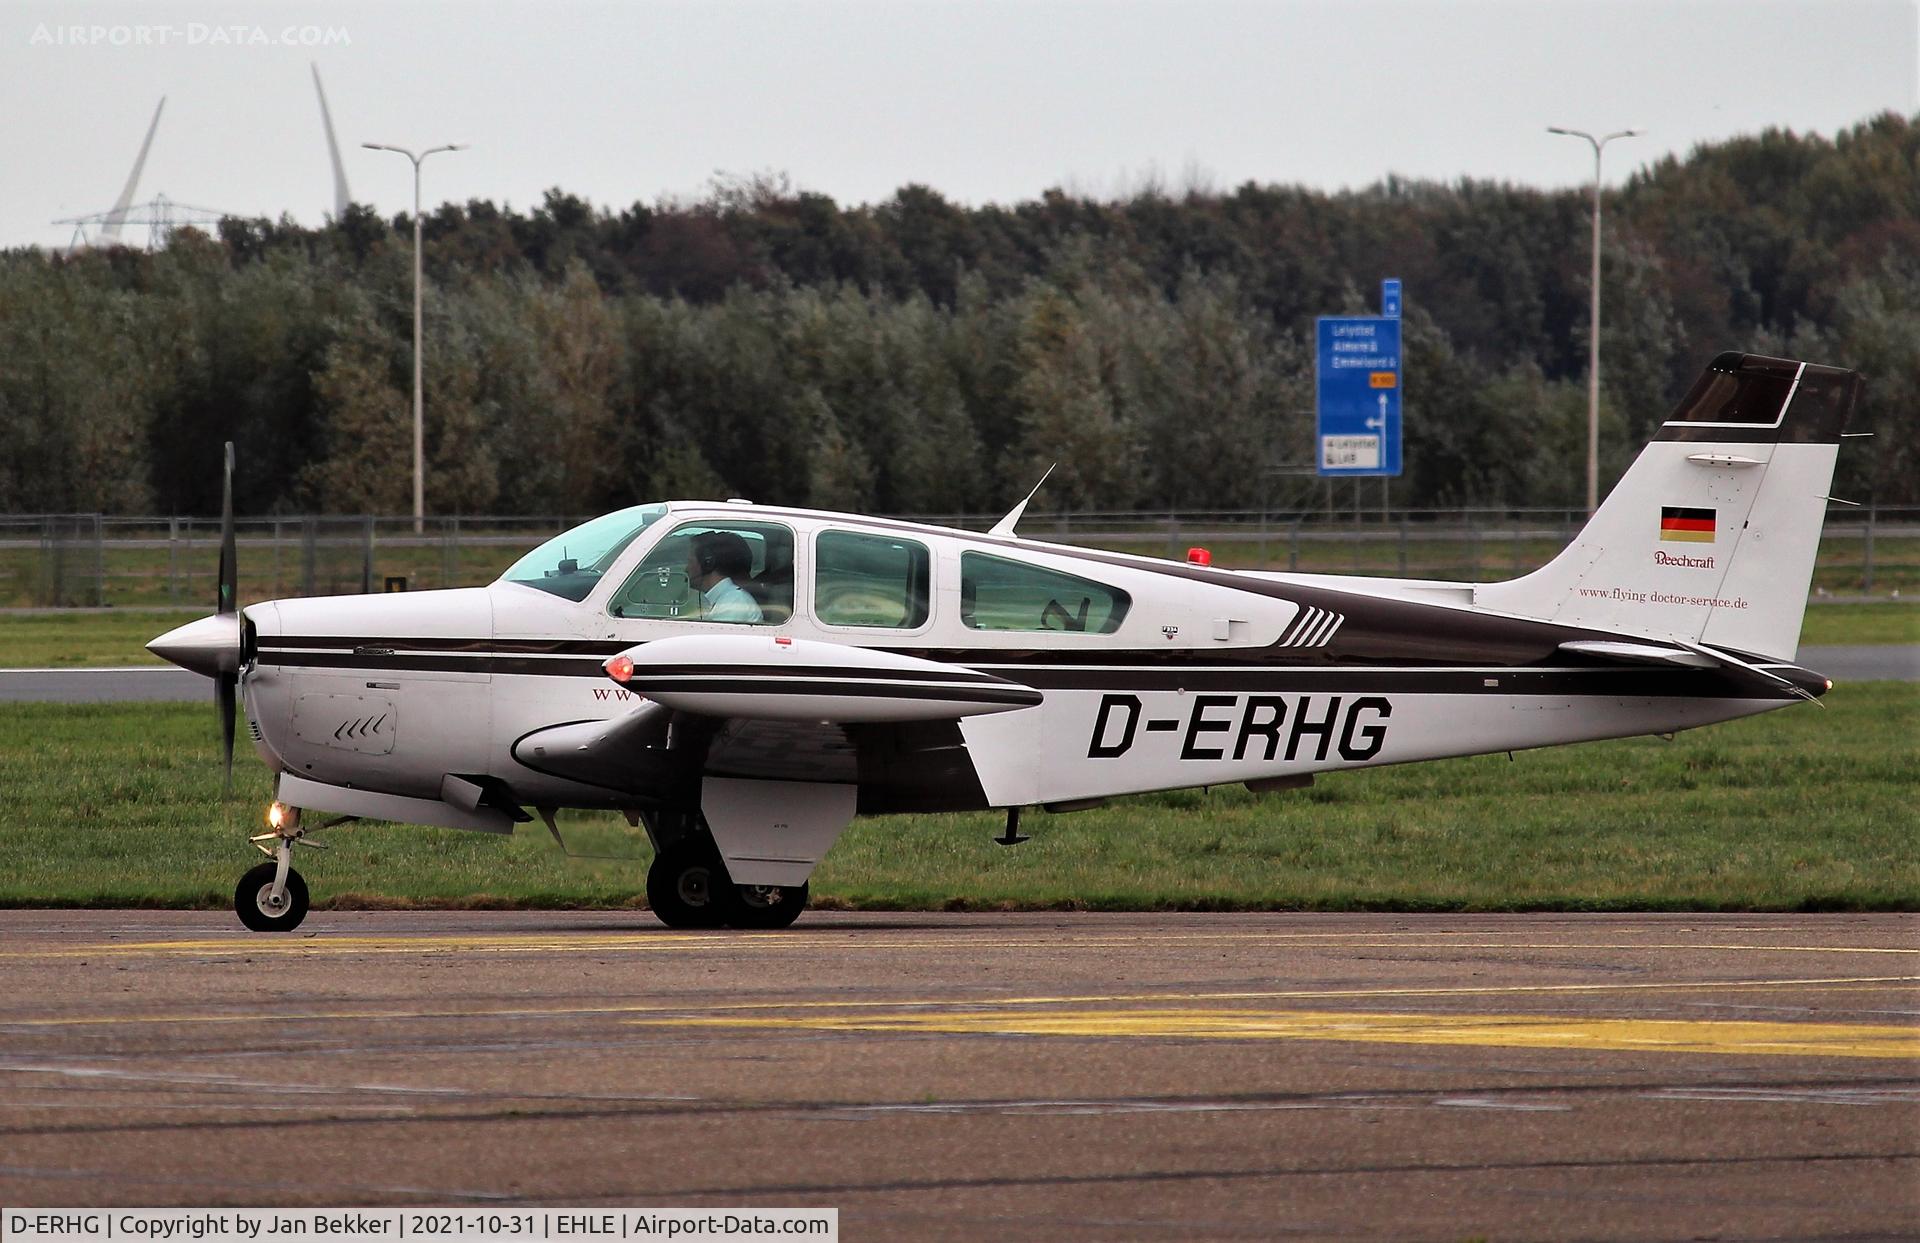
x=93 y=560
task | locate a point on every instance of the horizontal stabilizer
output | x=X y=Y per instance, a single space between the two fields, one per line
x=1640 y=653
x=1688 y=655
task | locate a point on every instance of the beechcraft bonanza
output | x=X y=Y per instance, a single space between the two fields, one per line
x=742 y=681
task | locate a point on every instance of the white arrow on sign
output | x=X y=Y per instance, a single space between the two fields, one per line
x=1381 y=422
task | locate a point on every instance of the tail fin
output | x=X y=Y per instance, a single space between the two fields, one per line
x=1711 y=533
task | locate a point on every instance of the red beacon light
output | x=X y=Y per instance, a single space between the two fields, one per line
x=620 y=668
x=1199 y=556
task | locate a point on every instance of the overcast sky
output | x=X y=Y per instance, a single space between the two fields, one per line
x=985 y=101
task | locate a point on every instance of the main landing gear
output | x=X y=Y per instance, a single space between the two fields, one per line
x=688 y=887
x=272 y=897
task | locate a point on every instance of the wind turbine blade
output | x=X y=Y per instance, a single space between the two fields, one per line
x=341 y=198
x=110 y=232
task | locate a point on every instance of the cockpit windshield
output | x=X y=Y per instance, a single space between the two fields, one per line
x=571 y=563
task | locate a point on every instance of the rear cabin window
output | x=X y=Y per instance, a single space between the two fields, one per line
x=998 y=594
x=871 y=580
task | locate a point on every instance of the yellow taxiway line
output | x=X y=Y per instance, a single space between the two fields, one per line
x=565 y=942
x=962 y=1005
x=1715 y=1036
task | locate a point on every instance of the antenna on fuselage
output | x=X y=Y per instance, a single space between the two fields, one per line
x=1005 y=525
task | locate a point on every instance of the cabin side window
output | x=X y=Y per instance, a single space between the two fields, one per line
x=871 y=580
x=738 y=572
x=1000 y=594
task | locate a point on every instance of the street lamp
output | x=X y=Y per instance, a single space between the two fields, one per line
x=419 y=436
x=1593 y=341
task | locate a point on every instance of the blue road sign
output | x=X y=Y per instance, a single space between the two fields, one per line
x=1390 y=298
x=1357 y=377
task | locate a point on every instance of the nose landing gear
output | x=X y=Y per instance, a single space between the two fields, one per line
x=272 y=897
x=271 y=900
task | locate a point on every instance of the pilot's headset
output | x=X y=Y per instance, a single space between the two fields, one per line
x=720 y=551
x=706 y=554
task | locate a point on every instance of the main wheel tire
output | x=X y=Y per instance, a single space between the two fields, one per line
x=768 y=906
x=688 y=886
x=253 y=900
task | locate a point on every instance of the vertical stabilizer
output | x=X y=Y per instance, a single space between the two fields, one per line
x=110 y=230
x=341 y=198
x=1711 y=534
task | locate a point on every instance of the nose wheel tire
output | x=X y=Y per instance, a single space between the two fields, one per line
x=768 y=906
x=688 y=886
x=254 y=902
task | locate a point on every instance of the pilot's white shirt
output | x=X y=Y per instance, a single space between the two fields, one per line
x=728 y=601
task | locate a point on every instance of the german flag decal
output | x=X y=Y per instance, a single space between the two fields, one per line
x=1690 y=526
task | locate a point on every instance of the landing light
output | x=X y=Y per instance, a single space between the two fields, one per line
x=620 y=668
x=276 y=815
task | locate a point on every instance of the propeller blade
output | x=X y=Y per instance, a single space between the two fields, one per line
x=229 y=570
x=227 y=682
x=224 y=694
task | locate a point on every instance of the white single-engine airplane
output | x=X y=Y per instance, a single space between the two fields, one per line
x=743 y=680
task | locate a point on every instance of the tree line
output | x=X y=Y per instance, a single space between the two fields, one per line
x=920 y=356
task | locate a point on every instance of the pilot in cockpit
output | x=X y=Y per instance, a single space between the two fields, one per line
x=715 y=560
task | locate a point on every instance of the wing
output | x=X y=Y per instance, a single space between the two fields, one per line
x=775 y=678
x=770 y=708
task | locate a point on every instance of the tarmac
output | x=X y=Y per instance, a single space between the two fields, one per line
x=966 y=1076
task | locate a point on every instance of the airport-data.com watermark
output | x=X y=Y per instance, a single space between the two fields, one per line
x=188 y=34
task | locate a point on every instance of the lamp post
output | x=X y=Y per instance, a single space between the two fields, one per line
x=419 y=435
x=1593 y=341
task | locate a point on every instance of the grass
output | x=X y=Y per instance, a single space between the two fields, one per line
x=151 y=577
x=1830 y=624
x=80 y=639
x=117 y=805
